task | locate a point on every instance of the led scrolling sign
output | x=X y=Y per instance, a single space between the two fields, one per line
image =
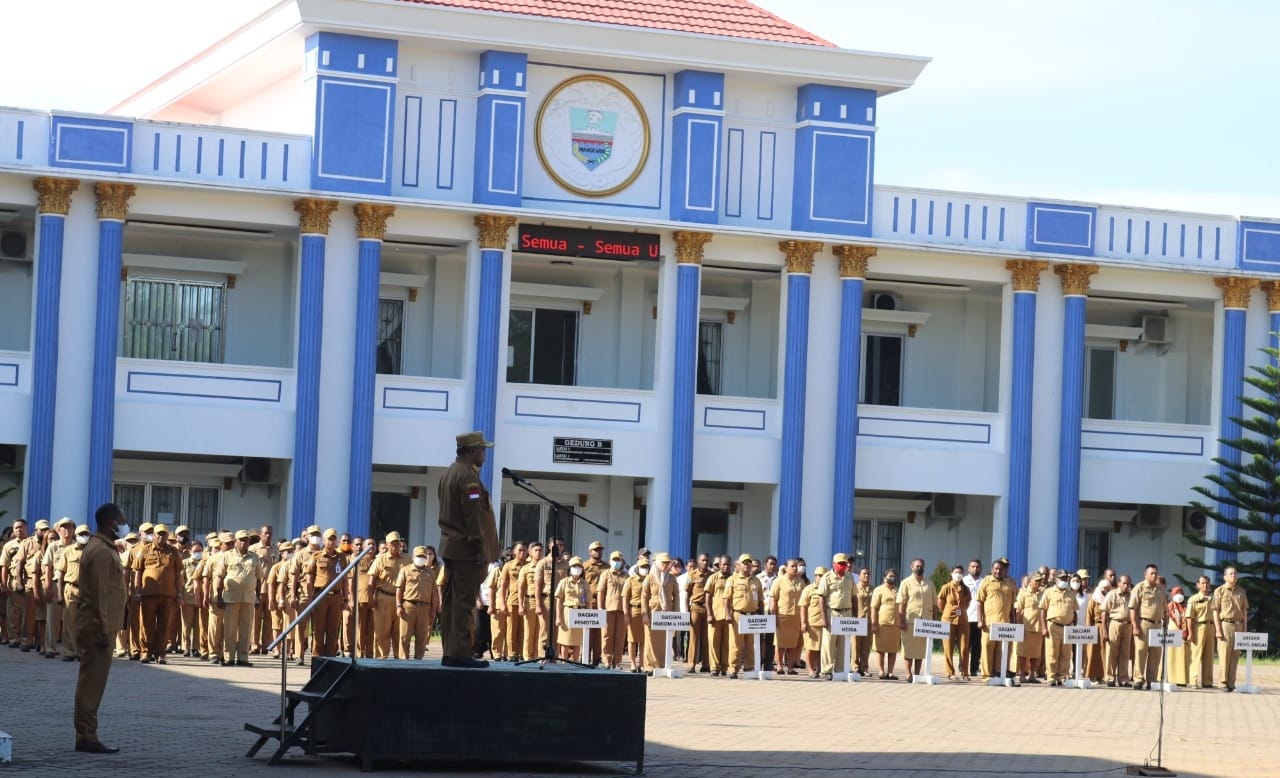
x=587 y=244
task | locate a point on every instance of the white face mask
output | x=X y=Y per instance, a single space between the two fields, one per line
x=122 y=530
x=197 y=555
x=800 y=569
x=149 y=537
x=314 y=540
x=575 y=571
x=1062 y=584
x=419 y=561
x=643 y=570
x=82 y=539
x=1075 y=585
x=957 y=577
x=616 y=564
x=1178 y=598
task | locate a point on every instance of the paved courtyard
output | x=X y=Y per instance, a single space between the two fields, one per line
x=186 y=718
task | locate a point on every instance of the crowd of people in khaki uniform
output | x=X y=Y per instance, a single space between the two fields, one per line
x=226 y=597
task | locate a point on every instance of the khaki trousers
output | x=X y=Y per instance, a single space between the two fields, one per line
x=833 y=651
x=718 y=646
x=91 y=682
x=529 y=631
x=991 y=655
x=71 y=593
x=216 y=624
x=497 y=633
x=386 y=627
x=698 y=638
x=615 y=637
x=1229 y=655
x=656 y=646
x=742 y=649
x=862 y=653
x=414 y=627
x=958 y=643
x=237 y=630
x=1058 y=660
x=52 y=624
x=133 y=617
x=458 y=611
x=189 y=633
x=1146 y=660
x=157 y=609
x=300 y=633
x=515 y=631
x=1202 y=654
x=16 y=602
x=326 y=621
x=364 y=628
x=1118 y=634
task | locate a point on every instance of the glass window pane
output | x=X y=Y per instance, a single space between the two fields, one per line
x=882 y=370
x=555 y=347
x=709 y=356
x=130 y=498
x=560 y=525
x=199 y=323
x=526 y=522
x=202 y=513
x=390 y=336
x=888 y=546
x=1100 y=383
x=166 y=505
x=1095 y=550
x=519 y=346
x=862 y=546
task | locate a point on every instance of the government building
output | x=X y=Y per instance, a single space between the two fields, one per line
x=647 y=254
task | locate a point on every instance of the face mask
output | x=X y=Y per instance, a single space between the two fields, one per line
x=149 y=537
x=314 y=540
x=891 y=581
x=957 y=577
x=616 y=564
x=575 y=571
x=346 y=546
x=1075 y=585
x=1178 y=598
x=842 y=568
x=1062 y=584
x=122 y=530
x=643 y=570
x=197 y=555
x=82 y=539
x=919 y=571
x=800 y=569
x=419 y=561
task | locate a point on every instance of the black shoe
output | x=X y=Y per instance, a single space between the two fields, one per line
x=1112 y=684
x=1229 y=688
x=95 y=747
x=733 y=675
x=466 y=662
x=244 y=663
x=1137 y=685
x=147 y=660
x=68 y=659
x=1032 y=679
x=1148 y=686
x=161 y=661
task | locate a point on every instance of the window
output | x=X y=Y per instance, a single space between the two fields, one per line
x=171 y=504
x=1095 y=550
x=542 y=346
x=878 y=545
x=709 y=354
x=882 y=369
x=531 y=521
x=709 y=531
x=178 y=320
x=390 y=337
x=1100 y=382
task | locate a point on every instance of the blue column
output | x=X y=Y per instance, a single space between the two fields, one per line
x=1235 y=297
x=794 y=385
x=1026 y=280
x=684 y=396
x=314 y=225
x=853 y=269
x=54 y=204
x=371 y=225
x=1075 y=285
x=113 y=202
x=493 y=256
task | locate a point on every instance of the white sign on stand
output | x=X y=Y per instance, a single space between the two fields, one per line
x=1165 y=638
x=757 y=625
x=929 y=629
x=1249 y=642
x=667 y=622
x=1079 y=637
x=585 y=619
x=1004 y=634
x=848 y=627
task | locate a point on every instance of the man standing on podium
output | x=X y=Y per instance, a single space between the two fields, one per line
x=468 y=542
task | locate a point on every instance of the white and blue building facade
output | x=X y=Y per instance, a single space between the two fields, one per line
x=675 y=295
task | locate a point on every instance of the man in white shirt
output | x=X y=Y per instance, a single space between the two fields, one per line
x=767 y=575
x=971 y=580
x=681 y=572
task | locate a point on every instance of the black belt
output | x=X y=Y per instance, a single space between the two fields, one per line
x=1151 y=621
x=1224 y=621
x=416 y=602
x=384 y=591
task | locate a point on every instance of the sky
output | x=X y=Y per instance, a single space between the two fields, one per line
x=1168 y=104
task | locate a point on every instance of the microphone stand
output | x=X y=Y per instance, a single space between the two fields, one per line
x=549 y=655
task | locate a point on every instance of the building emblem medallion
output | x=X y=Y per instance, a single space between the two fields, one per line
x=592 y=136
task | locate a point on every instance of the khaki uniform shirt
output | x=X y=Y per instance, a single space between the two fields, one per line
x=592 y=571
x=322 y=566
x=510 y=582
x=811 y=605
x=884 y=604
x=1116 y=606
x=468 y=532
x=1230 y=604
x=919 y=598
x=744 y=594
x=528 y=586
x=419 y=584
x=572 y=593
x=862 y=598
x=1059 y=606
x=10 y=562
x=161 y=566
x=955 y=598
x=715 y=588
x=696 y=589
x=633 y=594
x=238 y=576
x=100 y=612
x=49 y=562
x=996 y=599
x=661 y=592
x=385 y=570
x=1028 y=607
x=786 y=595
x=1150 y=602
x=609 y=590
x=68 y=565
x=1199 y=609
x=835 y=591
x=189 y=580
x=542 y=574
x=29 y=553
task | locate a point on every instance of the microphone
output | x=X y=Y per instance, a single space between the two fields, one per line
x=513 y=475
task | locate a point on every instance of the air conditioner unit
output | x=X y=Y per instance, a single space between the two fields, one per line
x=256 y=470
x=1149 y=517
x=15 y=246
x=1156 y=330
x=1194 y=521
x=886 y=301
x=945 y=505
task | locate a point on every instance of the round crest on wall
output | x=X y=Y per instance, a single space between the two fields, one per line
x=592 y=136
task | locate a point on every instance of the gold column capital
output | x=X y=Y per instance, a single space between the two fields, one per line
x=1075 y=278
x=1272 y=289
x=113 y=199
x=853 y=259
x=53 y=195
x=371 y=220
x=313 y=215
x=1236 y=290
x=800 y=254
x=492 y=230
x=1026 y=273
x=689 y=246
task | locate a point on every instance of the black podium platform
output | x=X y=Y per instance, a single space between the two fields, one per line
x=404 y=710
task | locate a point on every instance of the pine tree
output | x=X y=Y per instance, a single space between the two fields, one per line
x=1253 y=488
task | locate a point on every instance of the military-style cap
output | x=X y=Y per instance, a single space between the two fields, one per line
x=42 y=524
x=146 y=527
x=299 y=543
x=284 y=545
x=331 y=533
x=472 y=440
x=160 y=529
x=744 y=558
x=132 y=537
x=615 y=555
x=65 y=521
x=226 y=537
x=312 y=530
x=83 y=529
x=595 y=545
x=241 y=535
x=211 y=535
x=841 y=557
x=393 y=535
x=1003 y=561
x=819 y=570
x=578 y=560
x=1063 y=574
x=181 y=528
x=419 y=550
x=662 y=557
x=1083 y=573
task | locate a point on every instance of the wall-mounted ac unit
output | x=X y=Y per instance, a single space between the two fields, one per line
x=1156 y=330
x=256 y=470
x=1149 y=517
x=945 y=505
x=1194 y=521
x=886 y=301
x=15 y=246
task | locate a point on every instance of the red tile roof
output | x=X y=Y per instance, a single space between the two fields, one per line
x=730 y=18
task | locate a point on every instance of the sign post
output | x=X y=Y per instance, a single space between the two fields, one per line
x=1248 y=642
x=585 y=619
x=1004 y=634
x=849 y=627
x=1079 y=637
x=1165 y=638
x=757 y=625
x=667 y=622
x=928 y=629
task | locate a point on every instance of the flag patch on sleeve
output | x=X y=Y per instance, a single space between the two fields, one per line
x=473 y=492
